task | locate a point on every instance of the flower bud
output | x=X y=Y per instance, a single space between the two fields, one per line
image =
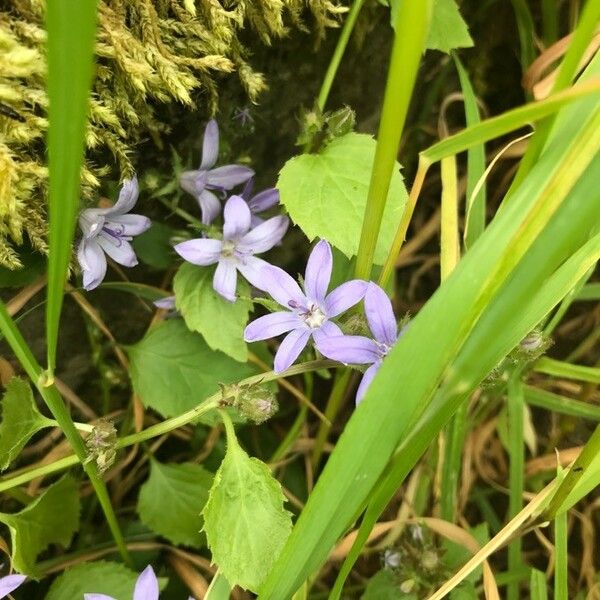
x=102 y=445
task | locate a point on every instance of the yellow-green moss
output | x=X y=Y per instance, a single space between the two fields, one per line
x=149 y=52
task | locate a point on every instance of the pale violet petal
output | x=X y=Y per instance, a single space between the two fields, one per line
x=282 y=288
x=247 y=191
x=228 y=176
x=327 y=329
x=91 y=222
x=380 y=315
x=318 y=272
x=92 y=262
x=209 y=205
x=210 y=145
x=10 y=583
x=289 y=350
x=344 y=296
x=366 y=380
x=120 y=250
x=97 y=597
x=252 y=269
x=349 y=349
x=128 y=196
x=167 y=303
x=129 y=224
x=193 y=182
x=225 y=280
x=201 y=251
x=265 y=236
x=271 y=325
x=264 y=200
x=146 y=587
x=236 y=218
x=255 y=221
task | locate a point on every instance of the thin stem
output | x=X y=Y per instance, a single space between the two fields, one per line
x=166 y=426
x=338 y=54
x=412 y=24
x=59 y=411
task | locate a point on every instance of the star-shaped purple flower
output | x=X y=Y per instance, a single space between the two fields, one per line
x=109 y=230
x=308 y=313
x=235 y=252
x=360 y=350
x=204 y=182
x=259 y=202
x=146 y=588
x=10 y=583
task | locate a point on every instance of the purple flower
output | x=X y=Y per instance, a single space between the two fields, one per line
x=259 y=202
x=146 y=588
x=309 y=312
x=357 y=349
x=109 y=230
x=10 y=583
x=166 y=303
x=235 y=252
x=205 y=181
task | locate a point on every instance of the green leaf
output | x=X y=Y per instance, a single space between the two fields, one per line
x=100 y=577
x=448 y=29
x=173 y=369
x=154 y=247
x=384 y=585
x=245 y=523
x=325 y=194
x=20 y=420
x=220 y=322
x=52 y=518
x=172 y=499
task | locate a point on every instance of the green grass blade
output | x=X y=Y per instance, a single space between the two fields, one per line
x=475 y=209
x=561 y=558
x=558 y=368
x=590 y=292
x=560 y=404
x=538 y=588
x=412 y=23
x=71 y=30
x=526 y=32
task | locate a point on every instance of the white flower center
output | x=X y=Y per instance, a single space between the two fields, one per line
x=314 y=317
x=228 y=248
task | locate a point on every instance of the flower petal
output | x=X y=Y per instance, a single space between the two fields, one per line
x=91 y=222
x=252 y=270
x=97 y=597
x=10 y=583
x=210 y=145
x=247 y=191
x=265 y=236
x=127 y=198
x=289 y=350
x=131 y=224
x=236 y=217
x=229 y=176
x=264 y=200
x=193 y=182
x=344 y=296
x=380 y=315
x=209 y=205
x=146 y=587
x=282 y=288
x=255 y=221
x=121 y=252
x=225 y=280
x=271 y=325
x=327 y=329
x=167 y=303
x=365 y=382
x=318 y=272
x=201 y=251
x=92 y=262
x=349 y=349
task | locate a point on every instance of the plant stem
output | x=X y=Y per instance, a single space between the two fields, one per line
x=411 y=27
x=338 y=54
x=166 y=426
x=59 y=411
x=516 y=454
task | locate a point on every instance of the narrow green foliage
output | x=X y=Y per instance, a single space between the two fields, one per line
x=538 y=588
x=220 y=322
x=71 y=29
x=561 y=558
x=411 y=25
x=20 y=420
x=172 y=499
x=560 y=404
x=558 y=368
x=325 y=194
x=526 y=32
x=100 y=577
x=245 y=522
x=173 y=369
x=52 y=518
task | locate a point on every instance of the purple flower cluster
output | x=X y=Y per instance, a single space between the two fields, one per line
x=307 y=313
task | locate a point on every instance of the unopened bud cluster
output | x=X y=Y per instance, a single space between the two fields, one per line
x=102 y=445
x=255 y=402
